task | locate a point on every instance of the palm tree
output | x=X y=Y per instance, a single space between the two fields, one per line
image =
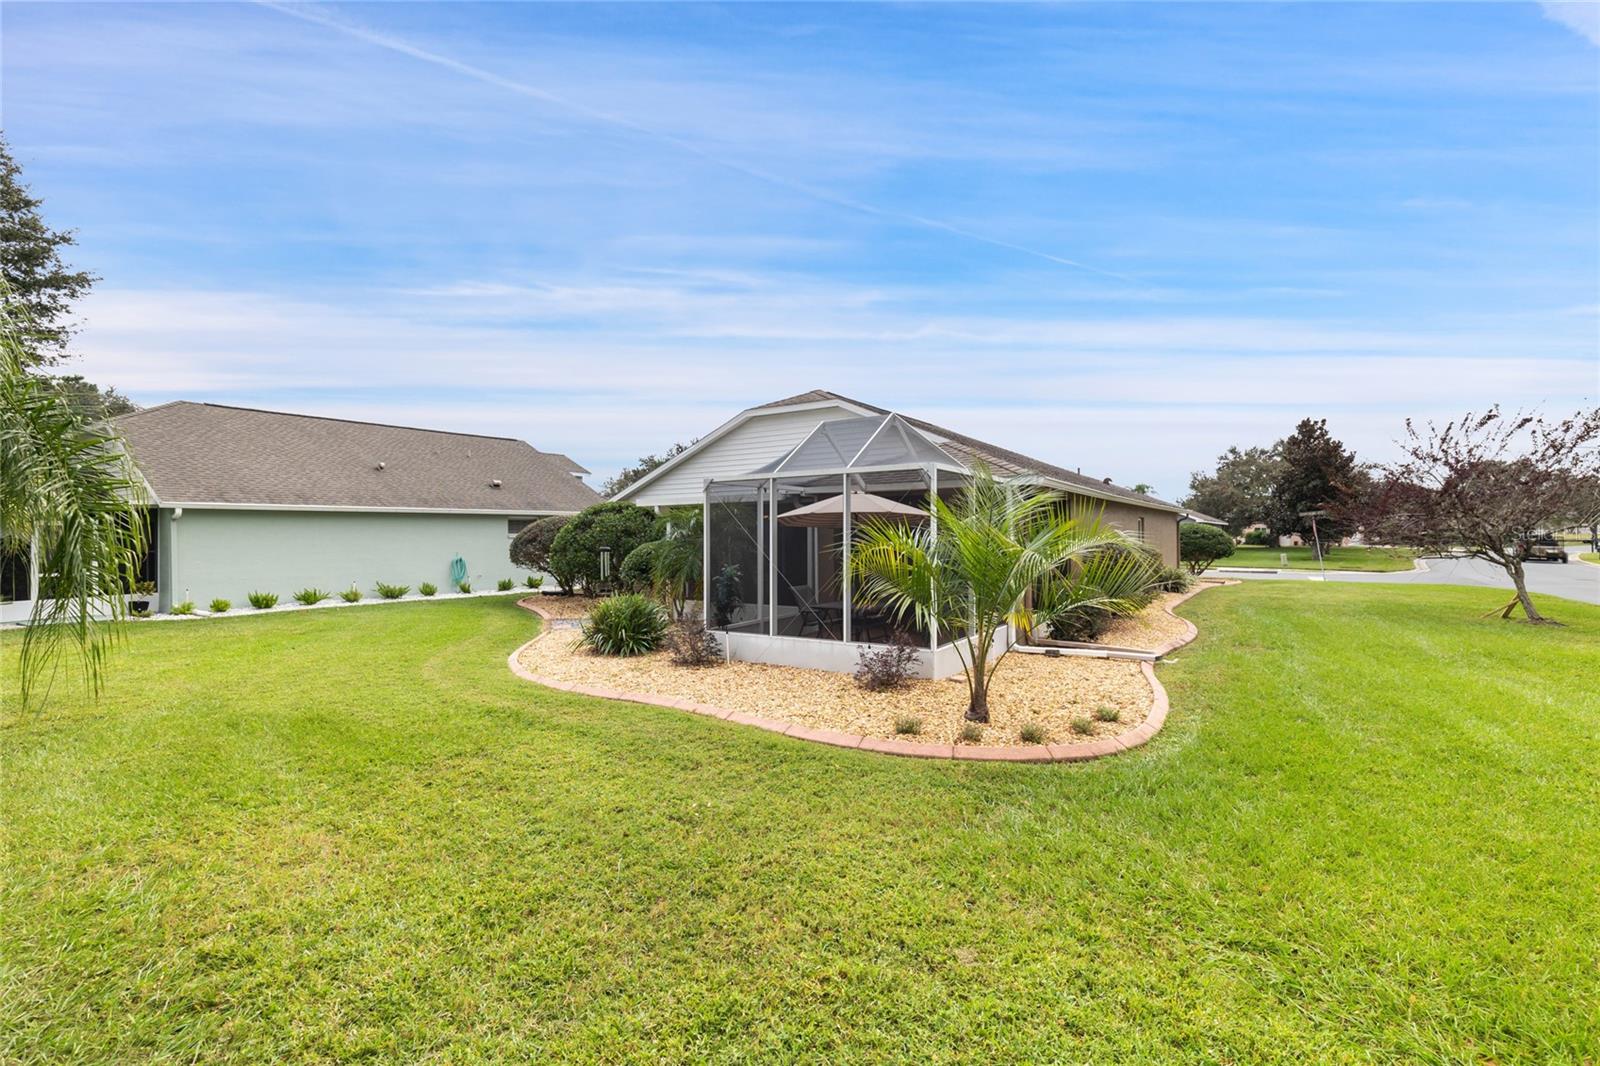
x=675 y=568
x=1001 y=555
x=68 y=492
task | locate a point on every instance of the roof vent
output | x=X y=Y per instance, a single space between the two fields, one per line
x=380 y=465
x=495 y=483
x=1106 y=480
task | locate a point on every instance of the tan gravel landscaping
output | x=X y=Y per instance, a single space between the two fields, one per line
x=565 y=607
x=1151 y=628
x=1039 y=689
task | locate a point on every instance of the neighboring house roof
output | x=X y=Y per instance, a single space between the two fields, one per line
x=964 y=449
x=202 y=453
x=1202 y=519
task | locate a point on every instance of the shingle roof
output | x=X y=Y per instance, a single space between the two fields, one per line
x=968 y=450
x=210 y=453
x=1203 y=519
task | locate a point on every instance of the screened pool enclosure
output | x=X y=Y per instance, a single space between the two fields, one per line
x=778 y=540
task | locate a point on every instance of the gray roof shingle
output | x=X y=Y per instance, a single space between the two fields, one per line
x=1002 y=461
x=210 y=453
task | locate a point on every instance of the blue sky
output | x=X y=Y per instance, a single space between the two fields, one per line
x=1118 y=237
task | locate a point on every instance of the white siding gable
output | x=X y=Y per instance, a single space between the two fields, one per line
x=765 y=436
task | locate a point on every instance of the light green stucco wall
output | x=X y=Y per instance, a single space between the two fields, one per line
x=228 y=554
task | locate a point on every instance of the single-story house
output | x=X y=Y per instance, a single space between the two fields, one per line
x=246 y=500
x=1199 y=519
x=781 y=484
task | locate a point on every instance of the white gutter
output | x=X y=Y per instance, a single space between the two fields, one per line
x=214 y=505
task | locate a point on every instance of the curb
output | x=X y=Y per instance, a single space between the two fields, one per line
x=1015 y=753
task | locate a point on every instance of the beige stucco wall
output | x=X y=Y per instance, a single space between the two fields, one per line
x=1160 y=527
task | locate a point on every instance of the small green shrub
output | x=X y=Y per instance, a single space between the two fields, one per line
x=1173 y=579
x=463 y=586
x=625 y=625
x=1082 y=725
x=1200 y=545
x=1107 y=713
x=1261 y=538
x=311 y=595
x=427 y=588
x=534 y=582
x=144 y=588
x=350 y=595
x=186 y=607
x=263 y=601
x=220 y=606
x=908 y=725
x=1032 y=733
x=392 y=592
x=971 y=732
x=505 y=584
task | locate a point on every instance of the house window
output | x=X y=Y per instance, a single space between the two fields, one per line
x=1140 y=533
x=16 y=582
x=517 y=525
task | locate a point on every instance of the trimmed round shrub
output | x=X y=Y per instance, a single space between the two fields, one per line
x=1261 y=538
x=625 y=625
x=616 y=524
x=637 y=573
x=530 y=548
x=1201 y=545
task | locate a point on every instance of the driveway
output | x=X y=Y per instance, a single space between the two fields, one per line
x=1574 y=580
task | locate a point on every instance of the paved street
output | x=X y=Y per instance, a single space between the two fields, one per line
x=1574 y=580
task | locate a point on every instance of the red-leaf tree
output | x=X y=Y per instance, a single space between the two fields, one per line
x=1485 y=484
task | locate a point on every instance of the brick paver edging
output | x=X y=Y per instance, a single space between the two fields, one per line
x=1094 y=749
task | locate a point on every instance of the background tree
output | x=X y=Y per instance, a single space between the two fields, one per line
x=40 y=286
x=629 y=475
x=1485 y=484
x=1318 y=474
x=91 y=399
x=1144 y=487
x=69 y=492
x=616 y=525
x=1200 y=545
x=1240 y=490
x=530 y=548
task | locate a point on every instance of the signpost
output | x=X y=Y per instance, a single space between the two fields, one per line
x=1322 y=565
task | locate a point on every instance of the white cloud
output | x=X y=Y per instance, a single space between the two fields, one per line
x=1141 y=398
x=1580 y=16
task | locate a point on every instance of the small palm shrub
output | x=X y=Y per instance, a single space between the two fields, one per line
x=908 y=725
x=534 y=582
x=692 y=644
x=311 y=595
x=1106 y=713
x=463 y=586
x=427 y=588
x=350 y=595
x=263 y=601
x=625 y=625
x=392 y=592
x=1173 y=579
x=1082 y=725
x=971 y=732
x=887 y=667
x=186 y=607
x=1032 y=733
x=505 y=584
x=220 y=606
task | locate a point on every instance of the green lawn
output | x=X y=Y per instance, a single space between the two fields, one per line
x=1369 y=833
x=1372 y=560
x=1589 y=557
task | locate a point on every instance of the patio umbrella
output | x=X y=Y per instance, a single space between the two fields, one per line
x=864 y=507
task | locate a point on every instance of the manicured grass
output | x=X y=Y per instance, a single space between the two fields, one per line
x=1589 y=557
x=1372 y=560
x=1369 y=833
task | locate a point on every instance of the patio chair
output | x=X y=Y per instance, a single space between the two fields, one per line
x=811 y=616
